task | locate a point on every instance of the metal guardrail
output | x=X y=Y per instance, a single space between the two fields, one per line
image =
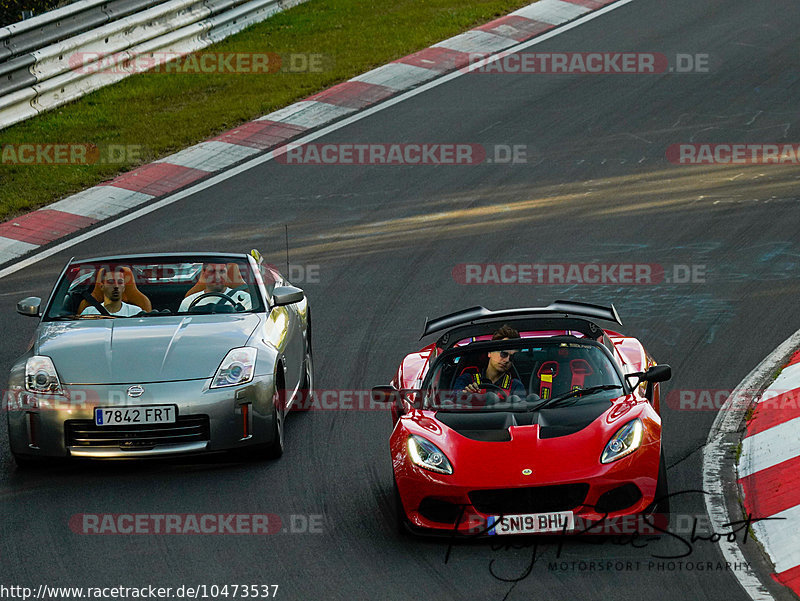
x=59 y=24
x=37 y=80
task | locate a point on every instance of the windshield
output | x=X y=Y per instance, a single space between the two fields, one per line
x=522 y=375
x=150 y=288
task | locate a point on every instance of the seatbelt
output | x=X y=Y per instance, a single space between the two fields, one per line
x=94 y=302
x=546 y=379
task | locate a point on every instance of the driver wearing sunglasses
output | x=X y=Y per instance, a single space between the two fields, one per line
x=497 y=370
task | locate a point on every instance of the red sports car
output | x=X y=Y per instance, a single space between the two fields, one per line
x=527 y=421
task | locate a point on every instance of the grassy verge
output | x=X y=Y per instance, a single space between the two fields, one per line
x=160 y=113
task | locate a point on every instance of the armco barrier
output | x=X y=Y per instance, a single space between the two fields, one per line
x=53 y=75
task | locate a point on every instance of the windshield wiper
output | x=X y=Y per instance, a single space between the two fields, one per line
x=573 y=393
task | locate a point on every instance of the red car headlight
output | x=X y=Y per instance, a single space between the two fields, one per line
x=624 y=442
x=428 y=456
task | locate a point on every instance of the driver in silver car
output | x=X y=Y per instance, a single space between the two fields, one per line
x=216 y=280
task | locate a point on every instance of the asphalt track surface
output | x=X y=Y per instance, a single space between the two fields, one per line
x=386 y=240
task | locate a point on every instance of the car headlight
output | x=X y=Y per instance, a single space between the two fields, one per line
x=626 y=440
x=237 y=367
x=41 y=376
x=427 y=455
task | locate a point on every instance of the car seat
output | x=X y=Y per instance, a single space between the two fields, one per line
x=130 y=295
x=235 y=280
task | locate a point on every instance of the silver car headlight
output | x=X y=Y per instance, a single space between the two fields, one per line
x=41 y=376
x=626 y=440
x=427 y=455
x=236 y=368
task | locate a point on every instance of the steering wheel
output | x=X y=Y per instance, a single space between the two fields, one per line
x=501 y=392
x=221 y=295
x=489 y=387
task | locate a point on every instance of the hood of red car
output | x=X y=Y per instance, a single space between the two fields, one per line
x=557 y=444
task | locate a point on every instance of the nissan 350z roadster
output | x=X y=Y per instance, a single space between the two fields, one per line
x=161 y=354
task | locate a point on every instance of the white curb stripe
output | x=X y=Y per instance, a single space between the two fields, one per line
x=398 y=76
x=770 y=447
x=101 y=202
x=554 y=12
x=477 y=42
x=11 y=249
x=789 y=379
x=210 y=156
x=308 y=113
x=780 y=539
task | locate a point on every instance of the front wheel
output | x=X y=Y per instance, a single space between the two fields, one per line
x=275 y=448
x=25 y=462
x=305 y=394
x=401 y=521
x=661 y=501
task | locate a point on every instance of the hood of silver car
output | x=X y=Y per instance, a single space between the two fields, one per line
x=139 y=350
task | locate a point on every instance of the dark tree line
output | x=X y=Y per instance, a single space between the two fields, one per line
x=11 y=10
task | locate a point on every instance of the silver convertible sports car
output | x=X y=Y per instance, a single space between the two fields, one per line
x=146 y=355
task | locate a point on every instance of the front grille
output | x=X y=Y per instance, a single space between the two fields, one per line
x=84 y=433
x=536 y=499
x=618 y=498
x=437 y=510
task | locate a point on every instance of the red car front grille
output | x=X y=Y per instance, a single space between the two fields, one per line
x=534 y=499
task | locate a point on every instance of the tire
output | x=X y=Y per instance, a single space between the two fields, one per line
x=401 y=521
x=661 y=502
x=275 y=448
x=24 y=462
x=306 y=390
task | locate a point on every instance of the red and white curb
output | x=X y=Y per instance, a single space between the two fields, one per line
x=25 y=234
x=764 y=474
x=769 y=472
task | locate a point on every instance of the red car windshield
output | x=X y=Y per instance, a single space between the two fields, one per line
x=522 y=375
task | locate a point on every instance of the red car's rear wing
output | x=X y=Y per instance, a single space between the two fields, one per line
x=565 y=308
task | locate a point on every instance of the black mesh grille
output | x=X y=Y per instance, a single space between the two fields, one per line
x=618 y=498
x=85 y=434
x=437 y=510
x=537 y=499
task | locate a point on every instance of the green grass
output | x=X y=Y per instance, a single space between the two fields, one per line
x=163 y=112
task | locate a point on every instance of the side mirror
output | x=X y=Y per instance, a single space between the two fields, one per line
x=657 y=373
x=390 y=394
x=383 y=394
x=287 y=295
x=30 y=306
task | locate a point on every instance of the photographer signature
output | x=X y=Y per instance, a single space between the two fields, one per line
x=636 y=540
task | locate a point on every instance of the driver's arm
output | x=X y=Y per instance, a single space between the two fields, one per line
x=465 y=382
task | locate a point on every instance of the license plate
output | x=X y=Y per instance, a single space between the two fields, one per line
x=132 y=416
x=531 y=523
